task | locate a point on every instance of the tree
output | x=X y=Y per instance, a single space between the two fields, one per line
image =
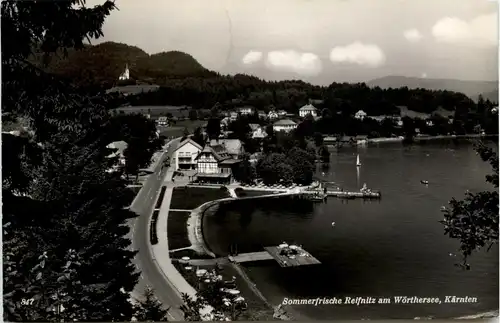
x=193 y=115
x=324 y=154
x=71 y=210
x=198 y=137
x=318 y=139
x=246 y=171
x=185 y=134
x=273 y=169
x=474 y=220
x=150 y=309
x=213 y=128
x=302 y=164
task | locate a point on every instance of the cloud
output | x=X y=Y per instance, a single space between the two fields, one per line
x=306 y=64
x=481 y=30
x=424 y=75
x=413 y=35
x=252 y=57
x=358 y=53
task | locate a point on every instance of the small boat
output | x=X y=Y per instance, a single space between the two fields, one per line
x=358 y=162
x=424 y=182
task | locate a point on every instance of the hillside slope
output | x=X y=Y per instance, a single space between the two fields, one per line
x=102 y=64
x=470 y=88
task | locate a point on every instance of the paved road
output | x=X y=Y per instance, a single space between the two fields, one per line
x=144 y=205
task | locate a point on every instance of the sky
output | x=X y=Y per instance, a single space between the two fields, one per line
x=320 y=41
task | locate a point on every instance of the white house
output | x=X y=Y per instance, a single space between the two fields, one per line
x=162 y=121
x=257 y=131
x=233 y=115
x=272 y=115
x=308 y=109
x=360 y=115
x=125 y=75
x=246 y=110
x=186 y=153
x=285 y=125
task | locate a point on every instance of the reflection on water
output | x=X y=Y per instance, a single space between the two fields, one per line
x=385 y=248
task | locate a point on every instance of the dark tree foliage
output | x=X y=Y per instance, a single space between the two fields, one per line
x=213 y=128
x=64 y=214
x=245 y=173
x=150 y=309
x=473 y=221
x=198 y=137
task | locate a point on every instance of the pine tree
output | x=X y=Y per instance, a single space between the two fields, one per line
x=150 y=309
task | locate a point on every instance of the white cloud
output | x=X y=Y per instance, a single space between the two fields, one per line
x=424 y=75
x=307 y=64
x=481 y=30
x=413 y=35
x=358 y=53
x=252 y=57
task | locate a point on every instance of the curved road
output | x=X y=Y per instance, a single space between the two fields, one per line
x=151 y=275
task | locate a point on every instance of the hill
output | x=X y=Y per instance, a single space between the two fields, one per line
x=102 y=64
x=470 y=88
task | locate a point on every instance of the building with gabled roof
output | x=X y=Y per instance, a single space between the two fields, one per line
x=215 y=164
x=308 y=109
x=185 y=154
x=284 y=125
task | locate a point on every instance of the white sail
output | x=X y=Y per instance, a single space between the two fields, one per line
x=358 y=163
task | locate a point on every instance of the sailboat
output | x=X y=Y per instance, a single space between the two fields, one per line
x=358 y=163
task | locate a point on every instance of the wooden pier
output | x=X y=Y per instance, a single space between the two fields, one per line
x=302 y=257
x=251 y=256
x=319 y=196
x=353 y=195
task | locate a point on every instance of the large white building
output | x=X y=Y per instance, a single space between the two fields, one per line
x=308 y=109
x=186 y=153
x=285 y=125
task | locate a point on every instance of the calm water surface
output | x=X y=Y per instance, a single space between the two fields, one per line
x=382 y=248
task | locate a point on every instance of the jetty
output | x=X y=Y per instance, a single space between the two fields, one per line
x=286 y=256
x=353 y=195
x=315 y=195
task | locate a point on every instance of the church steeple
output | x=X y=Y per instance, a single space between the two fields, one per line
x=125 y=75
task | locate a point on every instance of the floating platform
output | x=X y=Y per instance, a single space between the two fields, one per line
x=302 y=259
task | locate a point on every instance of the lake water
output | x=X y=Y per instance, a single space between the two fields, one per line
x=392 y=247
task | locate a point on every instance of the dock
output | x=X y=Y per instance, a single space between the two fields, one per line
x=301 y=258
x=319 y=196
x=251 y=256
x=353 y=195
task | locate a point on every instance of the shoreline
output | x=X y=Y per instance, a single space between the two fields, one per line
x=200 y=246
x=426 y=138
x=285 y=312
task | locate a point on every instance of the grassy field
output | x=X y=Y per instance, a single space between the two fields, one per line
x=177 y=230
x=177 y=130
x=248 y=193
x=189 y=198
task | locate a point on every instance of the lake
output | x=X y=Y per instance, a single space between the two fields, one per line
x=392 y=247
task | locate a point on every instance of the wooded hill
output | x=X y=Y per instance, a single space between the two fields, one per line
x=102 y=64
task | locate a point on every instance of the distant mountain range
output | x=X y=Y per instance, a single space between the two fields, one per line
x=489 y=89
